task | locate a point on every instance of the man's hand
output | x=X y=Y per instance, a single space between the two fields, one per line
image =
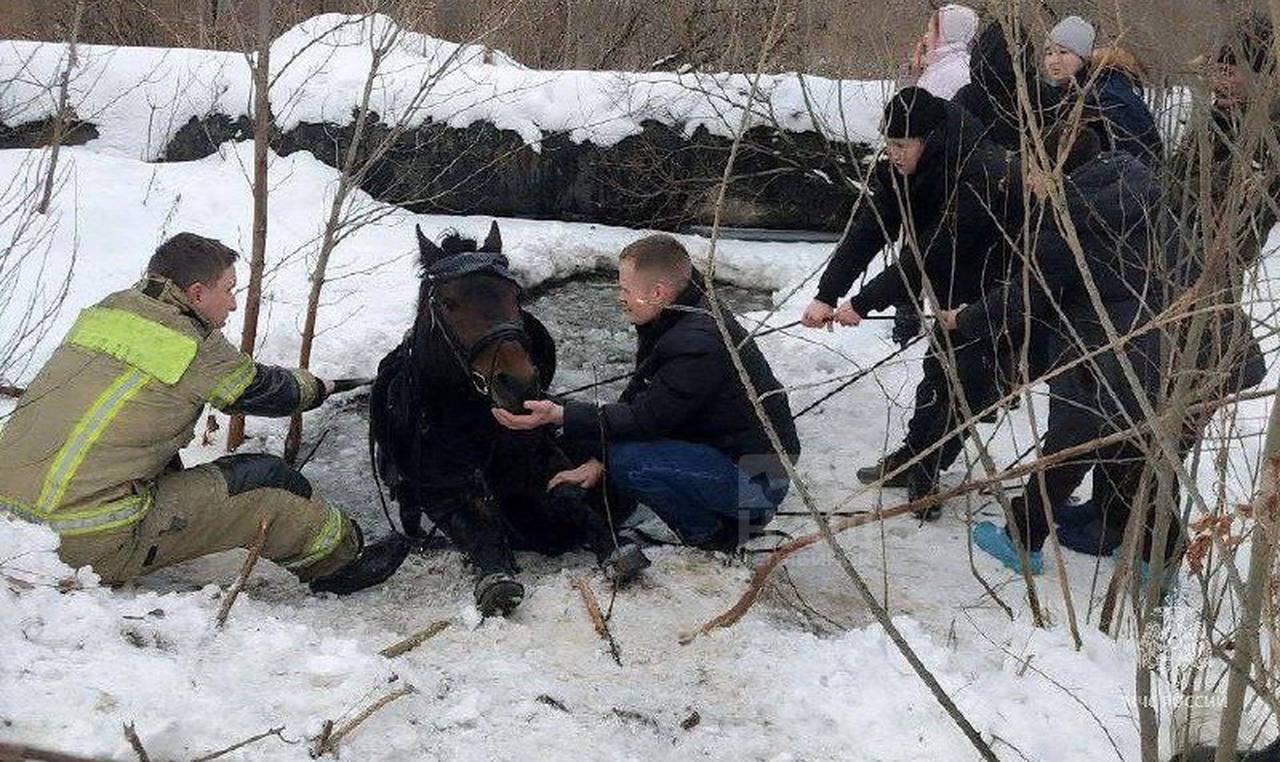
x=817 y=314
x=541 y=413
x=586 y=475
x=947 y=318
x=919 y=56
x=847 y=316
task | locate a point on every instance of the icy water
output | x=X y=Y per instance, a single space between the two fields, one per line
x=593 y=341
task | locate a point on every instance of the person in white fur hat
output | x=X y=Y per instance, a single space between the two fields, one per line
x=941 y=59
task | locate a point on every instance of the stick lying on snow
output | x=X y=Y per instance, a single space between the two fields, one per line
x=17 y=752
x=762 y=572
x=329 y=740
x=597 y=619
x=245 y=570
x=241 y=744
x=414 y=640
x=132 y=736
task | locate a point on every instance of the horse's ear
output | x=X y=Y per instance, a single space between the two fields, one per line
x=493 y=241
x=428 y=252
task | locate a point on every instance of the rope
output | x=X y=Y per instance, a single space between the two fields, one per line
x=749 y=336
x=858 y=377
x=629 y=374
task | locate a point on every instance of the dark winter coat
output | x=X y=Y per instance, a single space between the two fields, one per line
x=1110 y=201
x=1115 y=107
x=992 y=94
x=1183 y=181
x=1228 y=348
x=959 y=200
x=687 y=388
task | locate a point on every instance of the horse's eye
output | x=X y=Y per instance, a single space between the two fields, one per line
x=450 y=304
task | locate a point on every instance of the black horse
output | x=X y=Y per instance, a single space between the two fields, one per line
x=435 y=442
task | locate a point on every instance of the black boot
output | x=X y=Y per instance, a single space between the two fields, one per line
x=373 y=565
x=919 y=487
x=891 y=462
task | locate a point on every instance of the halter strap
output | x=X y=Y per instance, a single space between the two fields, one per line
x=465 y=356
x=456 y=266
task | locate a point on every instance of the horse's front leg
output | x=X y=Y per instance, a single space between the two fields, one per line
x=469 y=519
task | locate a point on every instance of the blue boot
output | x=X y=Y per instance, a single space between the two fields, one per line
x=996 y=542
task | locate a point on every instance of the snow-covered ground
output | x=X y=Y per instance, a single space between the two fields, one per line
x=807 y=675
x=78 y=662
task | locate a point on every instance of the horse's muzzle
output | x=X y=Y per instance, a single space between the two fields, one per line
x=510 y=393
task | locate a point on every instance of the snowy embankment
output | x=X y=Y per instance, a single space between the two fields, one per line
x=139 y=97
x=80 y=659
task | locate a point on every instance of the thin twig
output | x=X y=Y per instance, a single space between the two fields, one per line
x=245 y=570
x=414 y=640
x=311 y=453
x=761 y=574
x=17 y=752
x=251 y=740
x=131 y=736
x=329 y=741
x=597 y=619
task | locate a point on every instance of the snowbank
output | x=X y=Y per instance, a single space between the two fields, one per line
x=139 y=97
x=81 y=660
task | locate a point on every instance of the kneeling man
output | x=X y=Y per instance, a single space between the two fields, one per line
x=92 y=449
x=684 y=438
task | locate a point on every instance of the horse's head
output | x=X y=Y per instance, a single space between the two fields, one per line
x=470 y=297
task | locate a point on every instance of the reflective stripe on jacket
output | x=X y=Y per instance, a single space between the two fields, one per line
x=118 y=399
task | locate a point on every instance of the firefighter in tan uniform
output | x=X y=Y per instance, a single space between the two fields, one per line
x=91 y=450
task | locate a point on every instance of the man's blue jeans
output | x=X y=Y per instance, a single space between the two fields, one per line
x=697 y=490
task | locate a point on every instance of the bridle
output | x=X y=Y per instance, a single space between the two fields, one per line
x=457 y=266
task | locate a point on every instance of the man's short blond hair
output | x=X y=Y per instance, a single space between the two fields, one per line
x=660 y=255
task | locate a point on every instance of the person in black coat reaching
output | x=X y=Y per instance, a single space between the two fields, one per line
x=684 y=438
x=947 y=194
x=1113 y=201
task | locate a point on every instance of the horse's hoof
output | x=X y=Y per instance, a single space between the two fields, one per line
x=498 y=594
x=625 y=564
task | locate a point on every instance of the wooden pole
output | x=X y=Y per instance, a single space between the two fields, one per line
x=261 y=143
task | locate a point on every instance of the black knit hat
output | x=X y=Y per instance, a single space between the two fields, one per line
x=913 y=112
x=1250 y=45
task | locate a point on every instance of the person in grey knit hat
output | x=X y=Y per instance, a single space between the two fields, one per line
x=1068 y=48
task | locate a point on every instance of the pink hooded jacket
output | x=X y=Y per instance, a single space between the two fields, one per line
x=947 y=65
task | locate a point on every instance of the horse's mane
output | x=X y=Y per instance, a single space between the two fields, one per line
x=452 y=243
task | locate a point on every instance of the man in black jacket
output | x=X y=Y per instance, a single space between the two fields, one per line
x=684 y=438
x=945 y=191
x=1113 y=202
